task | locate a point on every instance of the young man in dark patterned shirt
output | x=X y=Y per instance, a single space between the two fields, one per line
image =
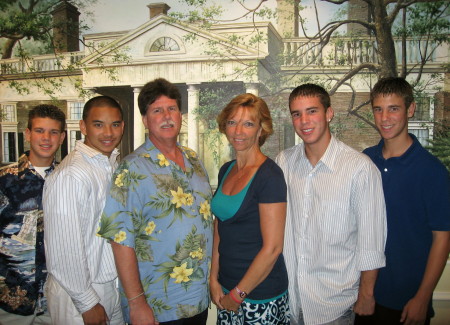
x=22 y=256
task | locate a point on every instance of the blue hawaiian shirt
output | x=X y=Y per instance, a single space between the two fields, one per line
x=163 y=213
x=22 y=255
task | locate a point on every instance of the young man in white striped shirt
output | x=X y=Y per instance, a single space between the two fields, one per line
x=336 y=218
x=81 y=286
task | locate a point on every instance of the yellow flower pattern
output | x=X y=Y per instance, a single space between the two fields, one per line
x=163 y=160
x=120 y=236
x=181 y=273
x=150 y=227
x=119 y=179
x=178 y=197
x=197 y=254
x=189 y=199
x=205 y=209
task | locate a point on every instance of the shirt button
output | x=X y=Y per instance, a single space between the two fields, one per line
x=385 y=169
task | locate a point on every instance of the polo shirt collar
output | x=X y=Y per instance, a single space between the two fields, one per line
x=407 y=155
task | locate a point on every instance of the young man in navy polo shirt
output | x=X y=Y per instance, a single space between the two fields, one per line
x=416 y=189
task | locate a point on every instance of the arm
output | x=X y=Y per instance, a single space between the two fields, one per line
x=365 y=305
x=215 y=287
x=127 y=268
x=272 y=221
x=415 y=311
x=63 y=201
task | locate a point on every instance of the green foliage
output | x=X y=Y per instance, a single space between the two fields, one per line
x=440 y=146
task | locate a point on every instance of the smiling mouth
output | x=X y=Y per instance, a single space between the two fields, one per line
x=107 y=142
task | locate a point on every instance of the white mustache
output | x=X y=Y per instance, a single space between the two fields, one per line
x=167 y=123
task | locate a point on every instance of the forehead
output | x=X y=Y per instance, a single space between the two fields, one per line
x=103 y=113
x=388 y=99
x=162 y=101
x=45 y=123
x=305 y=102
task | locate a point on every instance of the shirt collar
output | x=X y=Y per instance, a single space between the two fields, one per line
x=24 y=163
x=329 y=157
x=407 y=155
x=91 y=152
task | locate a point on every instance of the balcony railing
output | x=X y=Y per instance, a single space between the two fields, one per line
x=40 y=63
x=347 y=52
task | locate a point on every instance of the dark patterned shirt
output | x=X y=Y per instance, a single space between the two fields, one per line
x=22 y=256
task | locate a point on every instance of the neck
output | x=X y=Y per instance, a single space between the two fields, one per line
x=170 y=150
x=316 y=151
x=40 y=162
x=397 y=146
x=249 y=158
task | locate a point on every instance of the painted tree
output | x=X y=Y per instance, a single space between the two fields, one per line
x=424 y=22
x=36 y=27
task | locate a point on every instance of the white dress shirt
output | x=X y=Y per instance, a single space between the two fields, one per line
x=335 y=228
x=73 y=200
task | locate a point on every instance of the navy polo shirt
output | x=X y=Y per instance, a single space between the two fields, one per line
x=417 y=195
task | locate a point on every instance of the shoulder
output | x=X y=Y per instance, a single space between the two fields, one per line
x=353 y=160
x=290 y=155
x=371 y=151
x=269 y=168
x=9 y=170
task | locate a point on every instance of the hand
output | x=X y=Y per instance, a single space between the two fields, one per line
x=216 y=293
x=364 y=306
x=414 y=312
x=95 y=316
x=141 y=313
x=229 y=304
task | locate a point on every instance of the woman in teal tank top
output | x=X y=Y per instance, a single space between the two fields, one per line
x=248 y=279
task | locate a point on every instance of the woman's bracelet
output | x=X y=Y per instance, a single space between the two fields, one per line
x=141 y=294
x=234 y=298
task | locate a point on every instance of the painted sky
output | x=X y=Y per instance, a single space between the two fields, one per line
x=118 y=15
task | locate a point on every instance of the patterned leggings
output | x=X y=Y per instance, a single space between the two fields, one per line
x=275 y=312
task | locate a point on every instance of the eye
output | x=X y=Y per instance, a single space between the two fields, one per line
x=312 y=111
x=98 y=125
x=116 y=125
x=173 y=108
x=56 y=132
x=248 y=124
x=394 y=109
x=231 y=123
x=376 y=109
x=295 y=115
x=38 y=130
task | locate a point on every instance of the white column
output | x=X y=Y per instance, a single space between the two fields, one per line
x=139 y=130
x=252 y=88
x=193 y=102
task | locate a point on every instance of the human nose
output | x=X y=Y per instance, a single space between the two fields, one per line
x=304 y=119
x=46 y=135
x=238 y=129
x=384 y=115
x=108 y=130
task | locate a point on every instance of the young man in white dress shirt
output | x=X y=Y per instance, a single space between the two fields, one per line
x=336 y=218
x=81 y=287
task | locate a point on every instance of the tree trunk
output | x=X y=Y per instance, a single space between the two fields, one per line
x=385 y=41
x=8 y=48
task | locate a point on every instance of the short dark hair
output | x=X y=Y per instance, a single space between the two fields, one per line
x=153 y=90
x=101 y=101
x=257 y=107
x=50 y=111
x=393 y=85
x=311 y=90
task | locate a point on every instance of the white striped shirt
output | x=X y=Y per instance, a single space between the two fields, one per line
x=73 y=200
x=335 y=228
